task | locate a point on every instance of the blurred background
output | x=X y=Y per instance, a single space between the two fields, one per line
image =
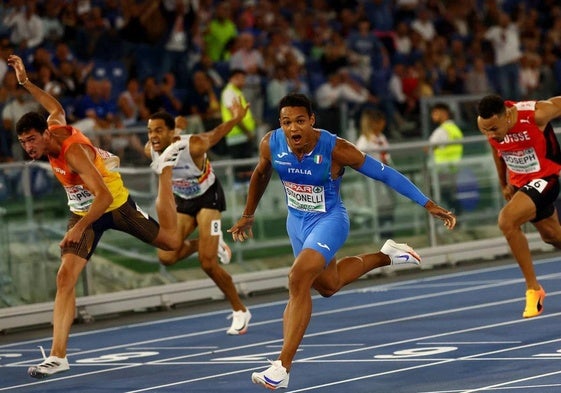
x=386 y=75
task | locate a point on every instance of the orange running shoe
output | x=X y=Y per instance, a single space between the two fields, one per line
x=534 y=303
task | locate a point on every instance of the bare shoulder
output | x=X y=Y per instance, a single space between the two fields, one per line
x=265 y=146
x=346 y=153
x=547 y=110
x=79 y=156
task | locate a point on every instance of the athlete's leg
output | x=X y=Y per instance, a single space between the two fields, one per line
x=167 y=238
x=186 y=225
x=209 y=236
x=348 y=269
x=306 y=268
x=518 y=211
x=65 y=301
x=550 y=230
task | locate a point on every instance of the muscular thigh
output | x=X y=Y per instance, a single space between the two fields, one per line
x=210 y=231
x=534 y=201
x=519 y=210
x=186 y=225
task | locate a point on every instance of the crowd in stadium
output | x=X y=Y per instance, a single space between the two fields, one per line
x=114 y=62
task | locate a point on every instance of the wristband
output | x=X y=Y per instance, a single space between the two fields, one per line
x=247 y=215
x=24 y=82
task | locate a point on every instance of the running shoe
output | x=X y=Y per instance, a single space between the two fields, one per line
x=534 y=303
x=51 y=365
x=224 y=252
x=240 y=322
x=275 y=377
x=169 y=156
x=400 y=253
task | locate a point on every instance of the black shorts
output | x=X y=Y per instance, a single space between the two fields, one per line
x=213 y=198
x=543 y=192
x=127 y=218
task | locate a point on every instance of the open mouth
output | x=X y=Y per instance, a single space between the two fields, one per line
x=296 y=138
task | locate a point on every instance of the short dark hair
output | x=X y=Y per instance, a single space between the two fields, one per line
x=443 y=107
x=166 y=117
x=31 y=121
x=296 y=99
x=491 y=105
x=235 y=72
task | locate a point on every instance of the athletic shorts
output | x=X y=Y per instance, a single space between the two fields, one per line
x=324 y=232
x=213 y=199
x=543 y=193
x=128 y=218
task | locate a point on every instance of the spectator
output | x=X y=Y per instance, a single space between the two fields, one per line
x=446 y=157
x=220 y=31
x=20 y=103
x=118 y=143
x=297 y=79
x=8 y=88
x=373 y=142
x=8 y=92
x=180 y=19
x=249 y=59
x=160 y=96
x=477 y=80
x=72 y=83
x=70 y=23
x=277 y=87
x=339 y=89
x=52 y=25
x=241 y=140
x=206 y=65
x=424 y=25
x=283 y=50
x=368 y=50
x=46 y=82
x=402 y=41
x=5 y=50
x=505 y=40
x=372 y=139
x=26 y=26
x=336 y=54
x=131 y=104
x=402 y=88
x=168 y=88
x=89 y=31
x=381 y=15
x=530 y=67
x=453 y=82
x=100 y=112
x=204 y=101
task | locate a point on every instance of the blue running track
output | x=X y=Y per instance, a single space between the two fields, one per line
x=452 y=332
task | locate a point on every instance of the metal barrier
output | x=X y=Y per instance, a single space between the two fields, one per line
x=34 y=218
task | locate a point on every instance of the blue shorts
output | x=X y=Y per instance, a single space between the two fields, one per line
x=323 y=232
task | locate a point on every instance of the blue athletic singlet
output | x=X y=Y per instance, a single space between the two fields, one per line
x=317 y=218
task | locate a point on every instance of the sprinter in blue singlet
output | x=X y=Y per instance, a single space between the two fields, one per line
x=310 y=163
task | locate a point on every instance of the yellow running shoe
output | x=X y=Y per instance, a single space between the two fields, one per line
x=534 y=303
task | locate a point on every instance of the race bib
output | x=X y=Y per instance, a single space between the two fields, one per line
x=305 y=197
x=186 y=188
x=537 y=184
x=522 y=161
x=79 y=199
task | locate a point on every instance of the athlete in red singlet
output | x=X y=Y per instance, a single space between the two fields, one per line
x=528 y=159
